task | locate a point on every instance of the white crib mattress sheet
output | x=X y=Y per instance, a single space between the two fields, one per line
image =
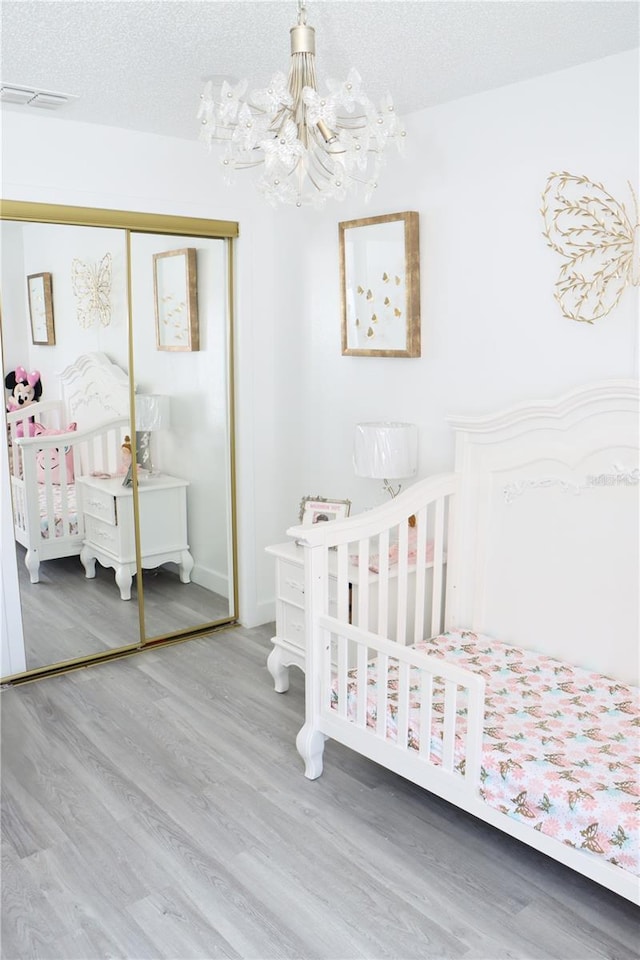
x=58 y=491
x=560 y=747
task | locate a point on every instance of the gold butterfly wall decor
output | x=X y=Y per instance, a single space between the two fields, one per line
x=598 y=241
x=92 y=289
x=386 y=309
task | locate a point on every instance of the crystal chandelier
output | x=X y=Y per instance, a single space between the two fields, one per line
x=310 y=146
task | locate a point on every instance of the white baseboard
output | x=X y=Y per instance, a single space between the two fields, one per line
x=210 y=579
x=262 y=613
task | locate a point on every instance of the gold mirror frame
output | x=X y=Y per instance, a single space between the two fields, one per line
x=130 y=223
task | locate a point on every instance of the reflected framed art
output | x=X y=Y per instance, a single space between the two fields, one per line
x=176 y=299
x=40 y=289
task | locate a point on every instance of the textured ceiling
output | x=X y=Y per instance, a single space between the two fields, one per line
x=141 y=64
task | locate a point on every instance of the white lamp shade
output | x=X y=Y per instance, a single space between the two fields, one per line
x=385 y=451
x=152 y=412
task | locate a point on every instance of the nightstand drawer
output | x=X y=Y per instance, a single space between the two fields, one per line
x=102 y=533
x=293 y=625
x=99 y=503
x=291 y=583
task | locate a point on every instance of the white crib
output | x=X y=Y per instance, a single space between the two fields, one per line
x=48 y=520
x=534 y=540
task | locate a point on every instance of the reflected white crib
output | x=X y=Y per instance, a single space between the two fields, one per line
x=48 y=520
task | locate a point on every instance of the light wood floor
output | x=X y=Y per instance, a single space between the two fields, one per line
x=67 y=616
x=155 y=807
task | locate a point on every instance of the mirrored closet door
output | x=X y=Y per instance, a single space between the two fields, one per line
x=117 y=332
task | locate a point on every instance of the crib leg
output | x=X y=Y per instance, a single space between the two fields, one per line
x=310 y=746
x=88 y=561
x=32 y=563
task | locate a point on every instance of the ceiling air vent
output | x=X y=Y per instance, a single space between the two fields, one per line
x=34 y=97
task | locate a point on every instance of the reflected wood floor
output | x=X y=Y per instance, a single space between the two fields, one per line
x=155 y=807
x=66 y=616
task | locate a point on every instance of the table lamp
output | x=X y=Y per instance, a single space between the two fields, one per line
x=386 y=451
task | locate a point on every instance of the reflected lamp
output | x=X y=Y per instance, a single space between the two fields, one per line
x=386 y=451
x=152 y=414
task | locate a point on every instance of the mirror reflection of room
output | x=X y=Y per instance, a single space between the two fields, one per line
x=66 y=362
x=87 y=315
x=181 y=348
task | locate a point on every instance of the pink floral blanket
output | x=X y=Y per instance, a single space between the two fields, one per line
x=561 y=744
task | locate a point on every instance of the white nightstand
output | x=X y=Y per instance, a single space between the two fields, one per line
x=289 y=641
x=107 y=508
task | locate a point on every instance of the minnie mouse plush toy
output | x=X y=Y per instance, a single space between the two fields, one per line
x=26 y=388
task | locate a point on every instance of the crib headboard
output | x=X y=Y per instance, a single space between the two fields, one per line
x=546 y=527
x=94 y=391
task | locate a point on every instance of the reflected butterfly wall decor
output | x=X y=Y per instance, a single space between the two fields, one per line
x=92 y=289
x=597 y=237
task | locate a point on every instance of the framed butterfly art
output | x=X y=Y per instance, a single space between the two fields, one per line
x=176 y=300
x=40 y=290
x=91 y=285
x=597 y=238
x=380 y=286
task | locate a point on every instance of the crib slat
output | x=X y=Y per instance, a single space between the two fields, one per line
x=383 y=682
x=401 y=586
x=48 y=492
x=426 y=706
x=342 y=583
x=420 y=575
x=104 y=452
x=475 y=732
x=438 y=553
x=342 y=675
x=363 y=584
x=383 y=582
x=361 y=716
x=402 y=719
x=448 y=742
x=325 y=666
x=64 y=492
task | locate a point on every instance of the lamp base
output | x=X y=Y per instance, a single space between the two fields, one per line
x=143 y=451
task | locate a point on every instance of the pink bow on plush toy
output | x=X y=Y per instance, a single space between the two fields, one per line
x=23 y=377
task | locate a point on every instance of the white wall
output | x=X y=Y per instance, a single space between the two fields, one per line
x=492 y=333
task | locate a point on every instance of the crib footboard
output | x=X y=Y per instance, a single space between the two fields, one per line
x=417 y=715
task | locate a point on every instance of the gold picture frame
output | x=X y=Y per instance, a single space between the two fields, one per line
x=380 y=286
x=40 y=290
x=175 y=285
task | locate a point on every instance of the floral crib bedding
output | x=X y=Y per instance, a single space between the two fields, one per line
x=72 y=513
x=560 y=746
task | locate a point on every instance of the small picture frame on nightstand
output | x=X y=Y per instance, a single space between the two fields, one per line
x=321 y=509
